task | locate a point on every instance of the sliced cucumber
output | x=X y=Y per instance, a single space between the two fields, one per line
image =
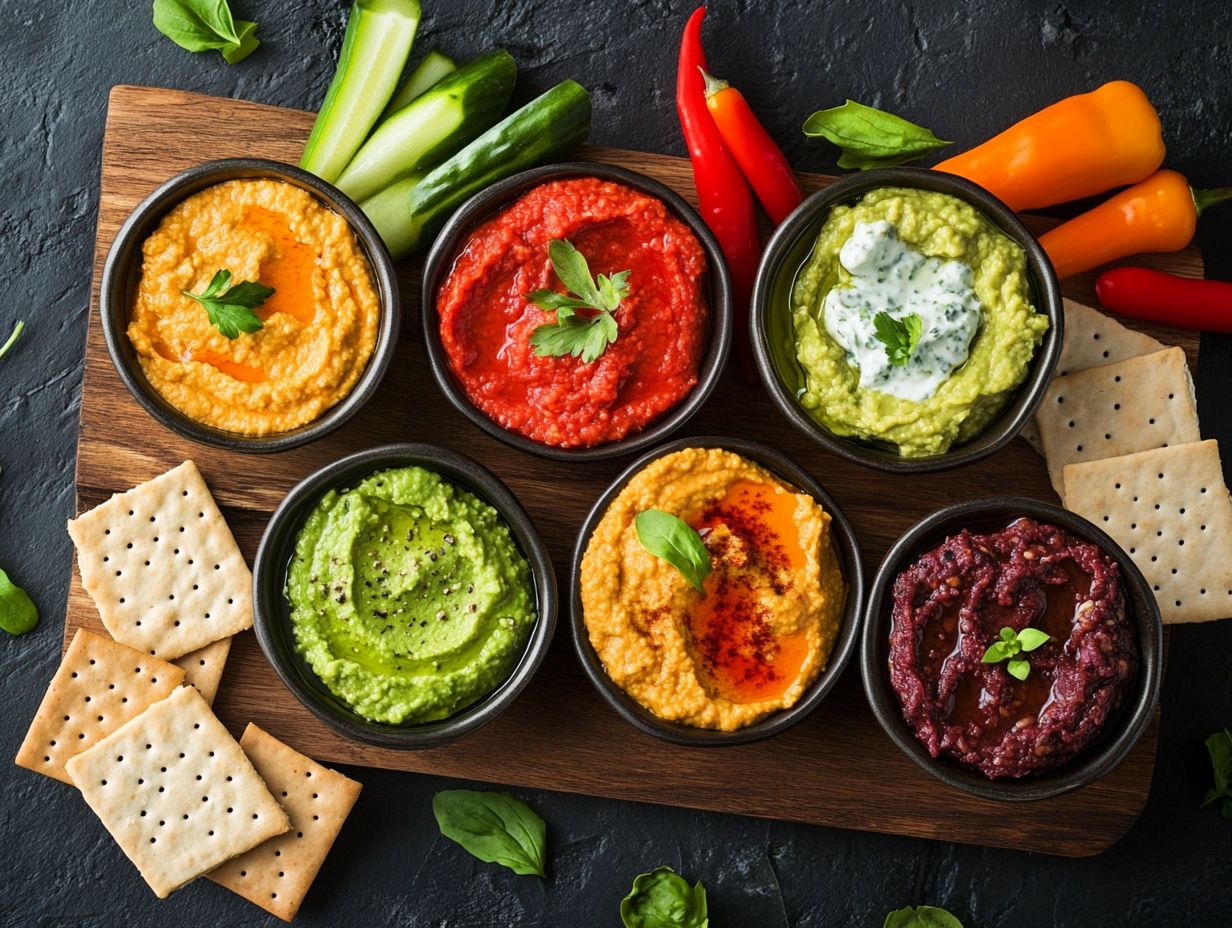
x=435 y=65
x=378 y=40
x=433 y=126
x=408 y=214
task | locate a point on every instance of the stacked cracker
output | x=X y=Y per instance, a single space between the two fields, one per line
x=180 y=796
x=1119 y=430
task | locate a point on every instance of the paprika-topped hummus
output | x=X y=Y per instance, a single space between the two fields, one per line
x=764 y=628
x=913 y=319
x=487 y=319
x=318 y=328
x=1032 y=709
x=409 y=598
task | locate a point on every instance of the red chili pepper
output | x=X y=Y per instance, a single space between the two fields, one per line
x=726 y=202
x=762 y=161
x=1166 y=299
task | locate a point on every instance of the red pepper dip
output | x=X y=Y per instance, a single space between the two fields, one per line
x=951 y=605
x=486 y=320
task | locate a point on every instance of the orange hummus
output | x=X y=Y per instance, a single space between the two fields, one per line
x=319 y=326
x=763 y=631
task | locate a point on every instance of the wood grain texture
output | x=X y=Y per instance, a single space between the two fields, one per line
x=835 y=768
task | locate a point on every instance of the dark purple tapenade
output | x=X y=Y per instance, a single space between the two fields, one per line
x=952 y=603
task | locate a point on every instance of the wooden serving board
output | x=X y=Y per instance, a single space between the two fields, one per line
x=835 y=768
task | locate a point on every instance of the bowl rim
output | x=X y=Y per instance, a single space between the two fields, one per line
x=845 y=644
x=809 y=216
x=1111 y=746
x=123 y=262
x=487 y=203
x=273 y=558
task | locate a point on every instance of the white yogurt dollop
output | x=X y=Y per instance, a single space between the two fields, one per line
x=891 y=277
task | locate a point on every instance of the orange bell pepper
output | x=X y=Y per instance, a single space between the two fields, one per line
x=1078 y=147
x=1159 y=214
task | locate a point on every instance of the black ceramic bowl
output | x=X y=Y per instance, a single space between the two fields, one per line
x=492 y=200
x=846 y=546
x=1122 y=731
x=271 y=611
x=122 y=271
x=774 y=340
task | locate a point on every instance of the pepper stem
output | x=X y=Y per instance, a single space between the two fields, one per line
x=713 y=85
x=1204 y=198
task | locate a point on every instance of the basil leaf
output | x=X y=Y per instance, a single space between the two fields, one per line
x=1019 y=669
x=675 y=541
x=205 y=25
x=1219 y=746
x=869 y=137
x=18 y=614
x=924 y=916
x=1031 y=638
x=246 y=31
x=495 y=827
x=663 y=899
x=997 y=651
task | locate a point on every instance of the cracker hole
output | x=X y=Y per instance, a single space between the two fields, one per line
x=143 y=813
x=1116 y=405
x=129 y=545
x=1117 y=378
x=1079 y=448
x=1071 y=423
x=279 y=853
x=1155 y=588
x=1178 y=602
x=201 y=662
x=211 y=834
x=299 y=834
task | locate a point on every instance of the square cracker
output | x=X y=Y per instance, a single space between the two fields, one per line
x=1169 y=509
x=277 y=875
x=100 y=685
x=162 y=567
x=1105 y=412
x=1091 y=339
x=203 y=668
x=176 y=792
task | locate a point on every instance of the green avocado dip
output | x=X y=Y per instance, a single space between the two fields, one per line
x=913 y=321
x=409 y=598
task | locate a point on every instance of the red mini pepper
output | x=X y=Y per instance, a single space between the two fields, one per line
x=1166 y=299
x=723 y=193
x=762 y=161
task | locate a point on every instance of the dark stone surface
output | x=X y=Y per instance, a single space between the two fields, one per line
x=963 y=69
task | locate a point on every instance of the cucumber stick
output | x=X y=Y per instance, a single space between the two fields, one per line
x=435 y=65
x=411 y=211
x=378 y=40
x=433 y=126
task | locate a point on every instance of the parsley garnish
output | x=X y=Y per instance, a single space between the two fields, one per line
x=587 y=336
x=900 y=336
x=1010 y=644
x=231 y=310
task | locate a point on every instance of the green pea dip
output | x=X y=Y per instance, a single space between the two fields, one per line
x=943 y=227
x=409 y=598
